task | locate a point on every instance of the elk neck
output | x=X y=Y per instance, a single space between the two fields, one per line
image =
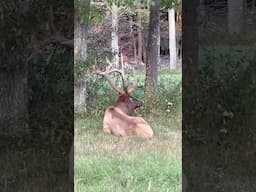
x=122 y=103
x=127 y=104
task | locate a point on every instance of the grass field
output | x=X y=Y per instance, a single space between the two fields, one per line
x=104 y=163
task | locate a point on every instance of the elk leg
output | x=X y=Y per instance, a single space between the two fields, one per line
x=143 y=130
x=106 y=129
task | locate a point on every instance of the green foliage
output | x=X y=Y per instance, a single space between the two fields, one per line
x=96 y=15
x=97 y=52
x=99 y=94
x=167 y=100
x=88 y=12
x=167 y=4
x=80 y=69
x=120 y=3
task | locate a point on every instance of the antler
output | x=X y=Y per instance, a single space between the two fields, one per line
x=132 y=87
x=120 y=72
x=106 y=73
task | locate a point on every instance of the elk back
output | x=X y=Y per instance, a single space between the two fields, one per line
x=118 y=123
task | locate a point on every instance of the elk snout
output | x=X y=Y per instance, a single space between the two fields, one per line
x=137 y=103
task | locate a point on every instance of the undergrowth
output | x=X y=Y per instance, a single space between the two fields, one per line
x=167 y=100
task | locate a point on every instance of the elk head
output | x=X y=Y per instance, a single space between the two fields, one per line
x=125 y=102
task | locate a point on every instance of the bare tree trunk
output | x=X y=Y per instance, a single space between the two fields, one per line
x=189 y=69
x=84 y=26
x=133 y=42
x=144 y=47
x=158 y=45
x=14 y=102
x=139 y=36
x=77 y=33
x=153 y=47
x=134 y=48
x=114 y=35
x=148 y=4
x=80 y=50
x=172 y=39
x=190 y=40
x=235 y=16
x=83 y=45
x=80 y=96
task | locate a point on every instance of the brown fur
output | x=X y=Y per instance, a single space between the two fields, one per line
x=118 y=123
x=118 y=118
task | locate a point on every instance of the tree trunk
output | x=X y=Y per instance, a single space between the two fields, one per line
x=84 y=28
x=134 y=47
x=114 y=35
x=189 y=69
x=80 y=50
x=14 y=103
x=172 y=39
x=80 y=96
x=77 y=33
x=235 y=16
x=144 y=46
x=158 y=46
x=153 y=47
x=139 y=36
x=189 y=40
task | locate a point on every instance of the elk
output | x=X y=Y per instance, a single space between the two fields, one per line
x=119 y=119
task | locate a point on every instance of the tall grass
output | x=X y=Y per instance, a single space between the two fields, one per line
x=137 y=171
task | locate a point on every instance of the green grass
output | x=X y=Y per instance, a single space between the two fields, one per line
x=32 y=168
x=165 y=77
x=106 y=163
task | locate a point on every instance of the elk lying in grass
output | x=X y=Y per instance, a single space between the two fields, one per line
x=118 y=118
